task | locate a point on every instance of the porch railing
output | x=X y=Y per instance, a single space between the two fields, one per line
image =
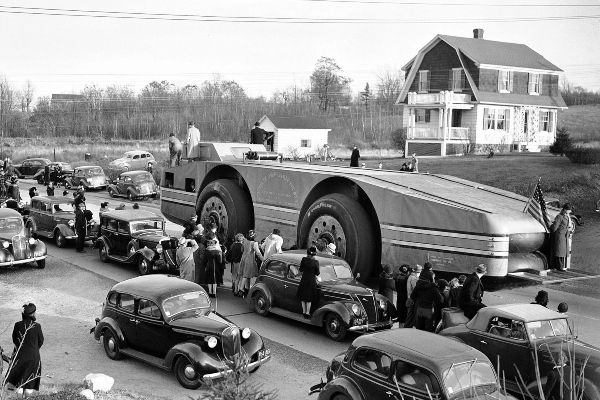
x=458 y=133
x=417 y=132
x=445 y=97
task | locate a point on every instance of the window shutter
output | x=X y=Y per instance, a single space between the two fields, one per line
x=530 y=84
x=507 y=120
x=450 y=79
x=485 y=114
x=551 y=121
x=540 y=83
x=510 y=81
x=427 y=115
x=463 y=79
x=499 y=80
x=428 y=80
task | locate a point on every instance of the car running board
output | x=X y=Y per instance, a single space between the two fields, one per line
x=290 y=315
x=156 y=361
x=118 y=258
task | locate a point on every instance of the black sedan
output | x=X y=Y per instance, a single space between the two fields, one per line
x=31 y=166
x=16 y=247
x=345 y=304
x=171 y=323
x=409 y=364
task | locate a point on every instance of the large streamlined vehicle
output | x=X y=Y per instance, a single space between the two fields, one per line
x=373 y=216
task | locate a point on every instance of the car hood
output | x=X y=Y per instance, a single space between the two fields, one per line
x=346 y=285
x=209 y=323
x=118 y=161
x=582 y=350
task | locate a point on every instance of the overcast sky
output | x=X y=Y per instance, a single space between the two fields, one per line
x=271 y=44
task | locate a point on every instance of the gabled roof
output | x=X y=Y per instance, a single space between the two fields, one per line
x=296 y=122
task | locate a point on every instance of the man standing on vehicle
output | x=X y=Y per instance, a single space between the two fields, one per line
x=472 y=292
x=193 y=140
x=257 y=134
x=174 y=150
x=80 y=227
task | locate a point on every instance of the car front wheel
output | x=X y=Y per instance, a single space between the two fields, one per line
x=186 y=374
x=334 y=327
x=111 y=345
x=261 y=304
x=144 y=266
x=60 y=239
x=111 y=193
x=130 y=195
x=103 y=253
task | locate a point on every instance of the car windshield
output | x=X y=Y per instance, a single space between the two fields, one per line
x=11 y=226
x=335 y=271
x=550 y=328
x=61 y=207
x=94 y=171
x=142 y=177
x=470 y=379
x=137 y=226
x=185 y=302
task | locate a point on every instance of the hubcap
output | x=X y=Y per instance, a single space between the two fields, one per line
x=327 y=229
x=189 y=372
x=144 y=265
x=334 y=325
x=111 y=344
x=214 y=210
x=103 y=252
x=261 y=302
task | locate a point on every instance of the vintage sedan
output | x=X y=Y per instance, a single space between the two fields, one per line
x=136 y=237
x=30 y=166
x=172 y=324
x=518 y=334
x=346 y=304
x=409 y=364
x=91 y=176
x=54 y=217
x=134 y=160
x=65 y=168
x=16 y=247
x=134 y=184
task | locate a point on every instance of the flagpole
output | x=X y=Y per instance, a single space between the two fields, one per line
x=532 y=193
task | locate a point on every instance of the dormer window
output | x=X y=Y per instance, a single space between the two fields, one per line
x=505 y=81
x=457 y=79
x=534 y=83
x=424 y=80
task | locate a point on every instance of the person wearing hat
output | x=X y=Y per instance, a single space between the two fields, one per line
x=190 y=225
x=248 y=264
x=50 y=189
x=175 y=148
x=33 y=192
x=272 y=244
x=103 y=208
x=80 y=227
x=541 y=298
x=136 y=206
x=401 y=296
x=27 y=336
x=560 y=232
x=330 y=249
x=354 y=157
x=185 y=258
x=387 y=286
x=427 y=298
x=411 y=309
x=257 y=134
x=308 y=291
x=563 y=308
x=470 y=296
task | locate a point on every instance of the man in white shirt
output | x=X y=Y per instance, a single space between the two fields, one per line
x=193 y=140
x=272 y=244
x=410 y=304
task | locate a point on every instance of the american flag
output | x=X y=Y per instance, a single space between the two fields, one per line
x=536 y=206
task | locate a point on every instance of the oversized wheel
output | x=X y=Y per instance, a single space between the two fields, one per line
x=111 y=345
x=334 y=327
x=186 y=374
x=226 y=204
x=144 y=265
x=261 y=304
x=41 y=264
x=111 y=193
x=103 y=253
x=338 y=219
x=60 y=239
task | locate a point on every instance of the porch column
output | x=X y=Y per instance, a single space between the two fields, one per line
x=442 y=130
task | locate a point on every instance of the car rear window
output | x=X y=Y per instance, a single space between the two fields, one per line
x=126 y=302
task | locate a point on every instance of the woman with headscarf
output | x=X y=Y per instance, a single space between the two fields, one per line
x=248 y=264
x=308 y=292
x=185 y=259
x=214 y=262
x=25 y=370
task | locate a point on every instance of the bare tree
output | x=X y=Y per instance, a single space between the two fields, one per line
x=388 y=87
x=327 y=82
x=7 y=104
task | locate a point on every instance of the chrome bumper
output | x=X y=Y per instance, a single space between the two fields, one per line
x=371 y=327
x=228 y=371
x=27 y=260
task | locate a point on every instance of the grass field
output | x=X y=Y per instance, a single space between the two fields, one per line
x=583 y=122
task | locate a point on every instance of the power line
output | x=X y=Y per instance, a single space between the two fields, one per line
x=424 y=3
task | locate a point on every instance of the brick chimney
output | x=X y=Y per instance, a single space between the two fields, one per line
x=478 y=33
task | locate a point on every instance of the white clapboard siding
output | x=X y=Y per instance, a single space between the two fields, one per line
x=286 y=139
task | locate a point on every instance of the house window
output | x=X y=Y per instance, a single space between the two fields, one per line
x=305 y=143
x=457 y=79
x=505 y=81
x=496 y=119
x=546 y=121
x=424 y=78
x=534 y=83
x=423 y=115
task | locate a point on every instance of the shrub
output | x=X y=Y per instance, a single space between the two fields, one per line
x=398 y=138
x=562 y=143
x=580 y=155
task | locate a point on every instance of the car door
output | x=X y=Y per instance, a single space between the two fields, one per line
x=34 y=167
x=25 y=167
x=121 y=185
x=152 y=331
x=370 y=370
x=135 y=162
x=414 y=382
x=290 y=286
x=124 y=237
x=274 y=277
x=77 y=175
x=111 y=232
x=126 y=318
x=45 y=219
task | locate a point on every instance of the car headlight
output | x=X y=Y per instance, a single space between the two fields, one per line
x=159 y=248
x=246 y=333
x=212 y=342
x=71 y=223
x=355 y=309
x=5 y=244
x=31 y=241
x=383 y=304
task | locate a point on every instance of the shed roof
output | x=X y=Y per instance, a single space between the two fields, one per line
x=296 y=122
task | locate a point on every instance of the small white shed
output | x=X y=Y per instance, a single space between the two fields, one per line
x=302 y=135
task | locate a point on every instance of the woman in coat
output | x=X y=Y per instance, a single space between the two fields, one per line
x=26 y=370
x=402 y=293
x=308 y=290
x=386 y=283
x=248 y=264
x=561 y=229
x=235 y=252
x=214 y=262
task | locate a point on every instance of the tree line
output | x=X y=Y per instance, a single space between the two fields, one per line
x=220 y=108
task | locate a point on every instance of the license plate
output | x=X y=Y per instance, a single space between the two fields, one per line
x=264 y=353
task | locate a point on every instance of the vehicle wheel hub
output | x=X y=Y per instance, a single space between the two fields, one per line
x=261 y=302
x=214 y=210
x=327 y=229
x=334 y=325
x=189 y=372
x=144 y=265
x=111 y=344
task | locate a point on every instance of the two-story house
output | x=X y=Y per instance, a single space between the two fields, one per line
x=464 y=94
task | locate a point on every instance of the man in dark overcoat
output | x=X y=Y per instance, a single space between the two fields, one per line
x=561 y=228
x=471 y=294
x=80 y=227
x=354 y=157
x=257 y=134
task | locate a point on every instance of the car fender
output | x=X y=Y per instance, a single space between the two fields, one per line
x=391 y=309
x=109 y=323
x=31 y=221
x=5 y=256
x=65 y=230
x=113 y=187
x=341 y=385
x=262 y=287
x=338 y=308
x=39 y=247
x=40 y=172
x=105 y=242
x=147 y=253
x=254 y=343
x=135 y=244
x=192 y=350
